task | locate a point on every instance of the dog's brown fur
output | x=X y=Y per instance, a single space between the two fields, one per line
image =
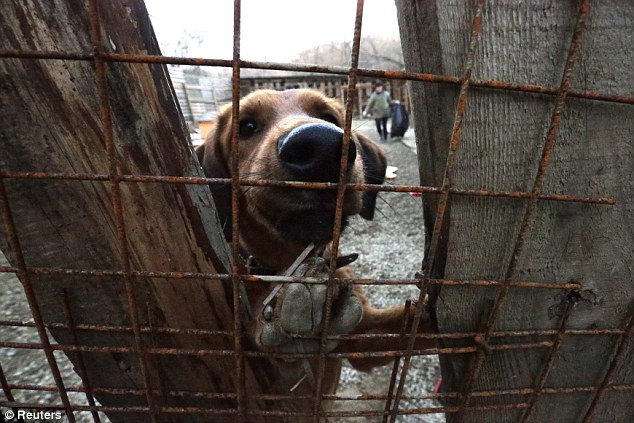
x=275 y=114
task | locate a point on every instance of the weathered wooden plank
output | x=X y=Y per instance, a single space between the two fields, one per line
x=501 y=143
x=51 y=122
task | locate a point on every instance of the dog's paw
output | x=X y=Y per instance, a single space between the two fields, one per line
x=293 y=321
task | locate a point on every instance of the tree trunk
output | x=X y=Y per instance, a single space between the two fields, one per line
x=51 y=122
x=501 y=143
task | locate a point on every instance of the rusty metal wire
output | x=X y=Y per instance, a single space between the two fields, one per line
x=205 y=332
x=444 y=199
x=331 y=70
x=329 y=397
x=303 y=185
x=395 y=394
x=287 y=279
x=235 y=216
x=390 y=390
x=478 y=360
x=113 y=171
x=215 y=395
x=7 y=389
x=621 y=349
x=337 y=227
x=27 y=284
x=368 y=413
x=81 y=366
x=363 y=413
x=571 y=299
x=206 y=352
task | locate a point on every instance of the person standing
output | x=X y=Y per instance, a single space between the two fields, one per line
x=379 y=107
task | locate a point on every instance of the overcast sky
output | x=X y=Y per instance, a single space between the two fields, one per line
x=272 y=30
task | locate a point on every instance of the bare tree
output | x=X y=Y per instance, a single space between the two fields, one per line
x=375 y=53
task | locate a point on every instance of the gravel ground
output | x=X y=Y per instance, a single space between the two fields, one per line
x=390 y=246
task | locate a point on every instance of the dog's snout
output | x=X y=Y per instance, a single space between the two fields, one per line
x=312 y=152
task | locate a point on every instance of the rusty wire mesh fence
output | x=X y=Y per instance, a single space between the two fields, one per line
x=458 y=401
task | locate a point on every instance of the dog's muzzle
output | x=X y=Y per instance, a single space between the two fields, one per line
x=312 y=152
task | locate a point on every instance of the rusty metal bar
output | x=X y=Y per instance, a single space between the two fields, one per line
x=123 y=329
x=150 y=307
x=404 y=353
x=131 y=409
x=419 y=411
x=407 y=358
x=289 y=279
x=444 y=199
x=132 y=391
x=616 y=361
x=337 y=228
x=81 y=366
x=270 y=413
x=397 y=361
x=6 y=388
x=329 y=397
x=27 y=284
x=330 y=70
x=470 y=335
x=425 y=335
x=476 y=363
x=304 y=185
x=113 y=171
x=206 y=352
x=571 y=300
x=365 y=413
x=235 y=218
x=416 y=282
x=98 y=273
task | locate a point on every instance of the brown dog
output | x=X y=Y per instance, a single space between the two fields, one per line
x=297 y=135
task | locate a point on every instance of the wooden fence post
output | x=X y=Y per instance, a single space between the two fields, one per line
x=51 y=122
x=502 y=139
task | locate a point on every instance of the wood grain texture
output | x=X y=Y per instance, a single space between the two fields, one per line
x=501 y=143
x=50 y=121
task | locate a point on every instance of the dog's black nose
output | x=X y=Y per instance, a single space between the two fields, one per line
x=312 y=152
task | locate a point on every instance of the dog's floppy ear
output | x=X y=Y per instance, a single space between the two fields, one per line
x=374 y=165
x=212 y=155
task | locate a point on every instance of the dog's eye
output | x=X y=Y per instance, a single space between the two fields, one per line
x=248 y=127
x=328 y=117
